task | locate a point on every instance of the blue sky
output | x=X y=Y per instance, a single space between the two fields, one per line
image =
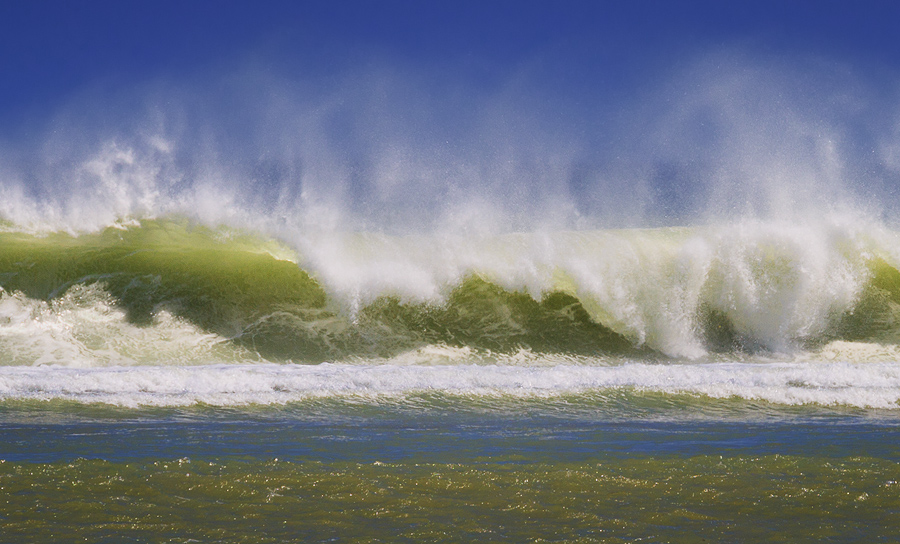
x=521 y=77
x=52 y=48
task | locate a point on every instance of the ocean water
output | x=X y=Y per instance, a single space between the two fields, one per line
x=173 y=379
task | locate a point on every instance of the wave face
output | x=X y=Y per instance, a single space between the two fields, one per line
x=760 y=311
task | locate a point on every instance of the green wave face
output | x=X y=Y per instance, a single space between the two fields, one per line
x=244 y=289
x=218 y=284
x=231 y=287
x=876 y=316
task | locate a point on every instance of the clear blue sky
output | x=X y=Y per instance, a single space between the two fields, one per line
x=49 y=49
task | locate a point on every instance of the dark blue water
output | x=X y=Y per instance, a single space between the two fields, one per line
x=441 y=437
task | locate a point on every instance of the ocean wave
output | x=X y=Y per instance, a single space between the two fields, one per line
x=683 y=293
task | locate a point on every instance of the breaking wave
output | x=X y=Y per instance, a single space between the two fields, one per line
x=647 y=293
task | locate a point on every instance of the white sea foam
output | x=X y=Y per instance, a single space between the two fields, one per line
x=84 y=328
x=871 y=385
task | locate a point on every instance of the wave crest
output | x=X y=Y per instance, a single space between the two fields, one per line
x=644 y=293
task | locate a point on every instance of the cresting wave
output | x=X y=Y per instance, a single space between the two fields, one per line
x=217 y=292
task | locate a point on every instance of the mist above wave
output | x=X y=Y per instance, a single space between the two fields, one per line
x=385 y=147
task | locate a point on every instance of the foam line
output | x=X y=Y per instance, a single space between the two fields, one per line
x=870 y=385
